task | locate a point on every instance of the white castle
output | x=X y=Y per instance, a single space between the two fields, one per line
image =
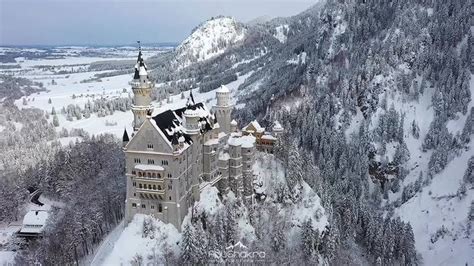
x=172 y=156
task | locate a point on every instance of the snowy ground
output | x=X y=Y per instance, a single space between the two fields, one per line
x=268 y=171
x=131 y=243
x=61 y=94
x=8 y=231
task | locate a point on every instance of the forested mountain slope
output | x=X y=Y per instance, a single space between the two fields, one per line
x=380 y=94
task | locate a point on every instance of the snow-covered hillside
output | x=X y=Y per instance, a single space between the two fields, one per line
x=210 y=39
x=162 y=242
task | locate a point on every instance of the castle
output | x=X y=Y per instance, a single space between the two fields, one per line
x=172 y=156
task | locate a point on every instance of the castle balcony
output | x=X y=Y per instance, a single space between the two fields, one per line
x=150 y=191
x=139 y=85
x=145 y=169
x=149 y=179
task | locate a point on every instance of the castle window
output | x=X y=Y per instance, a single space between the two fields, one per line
x=150 y=146
x=170 y=197
x=159 y=187
x=159 y=175
x=160 y=208
x=133 y=172
x=137 y=160
x=143 y=206
x=139 y=185
x=154 y=175
x=170 y=187
x=151 y=161
x=134 y=184
x=169 y=175
x=134 y=205
x=164 y=162
x=154 y=187
x=149 y=186
x=152 y=206
x=140 y=174
x=149 y=175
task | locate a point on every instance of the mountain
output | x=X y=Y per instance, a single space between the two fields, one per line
x=208 y=40
x=380 y=93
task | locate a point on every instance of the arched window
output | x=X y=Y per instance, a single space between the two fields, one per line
x=154 y=187
x=149 y=175
x=154 y=175
x=159 y=175
x=149 y=186
x=139 y=185
x=160 y=208
x=139 y=174
x=159 y=187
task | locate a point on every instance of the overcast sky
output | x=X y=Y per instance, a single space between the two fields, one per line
x=30 y=22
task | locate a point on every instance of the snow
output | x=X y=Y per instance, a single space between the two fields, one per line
x=209 y=98
x=212 y=142
x=210 y=39
x=277 y=126
x=300 y=58
x=224 y=156
x=244 y=141
x=142 y=72
x=280 y=33
x=149 y=167
x=456 y=125
x=131 y=242
x=269 y=174
x=7 y=258
x=269 y=137
x=223 y=89
x=256 y=125
x=209 y=201
x=105 y=247
x=436 y=206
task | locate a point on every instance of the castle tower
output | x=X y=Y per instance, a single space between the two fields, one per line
x=223 y=108
x=141 y=87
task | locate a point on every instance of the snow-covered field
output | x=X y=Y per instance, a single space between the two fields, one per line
x=70 y=89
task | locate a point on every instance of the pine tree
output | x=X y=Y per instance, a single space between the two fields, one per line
x=191 y=249
x=307 y=240
x=55 y=120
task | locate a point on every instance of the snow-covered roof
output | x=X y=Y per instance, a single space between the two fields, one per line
x=212 y=142
x=269 y=137
x=149 y=167
x=277 y=126
x=143 y=71
x=170 y=123
x=224 y=156
x=255 y=125
x=244 y=141
x=34 y=221
x=233 y=122
x=223 y=89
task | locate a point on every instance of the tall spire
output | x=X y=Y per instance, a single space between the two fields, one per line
x=142 y=88
x=140 y=63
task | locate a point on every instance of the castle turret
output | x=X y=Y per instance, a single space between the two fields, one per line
x=233 y=126
x=277 y=129
x=142 y=88
x=223 y=108
x=125 y=138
